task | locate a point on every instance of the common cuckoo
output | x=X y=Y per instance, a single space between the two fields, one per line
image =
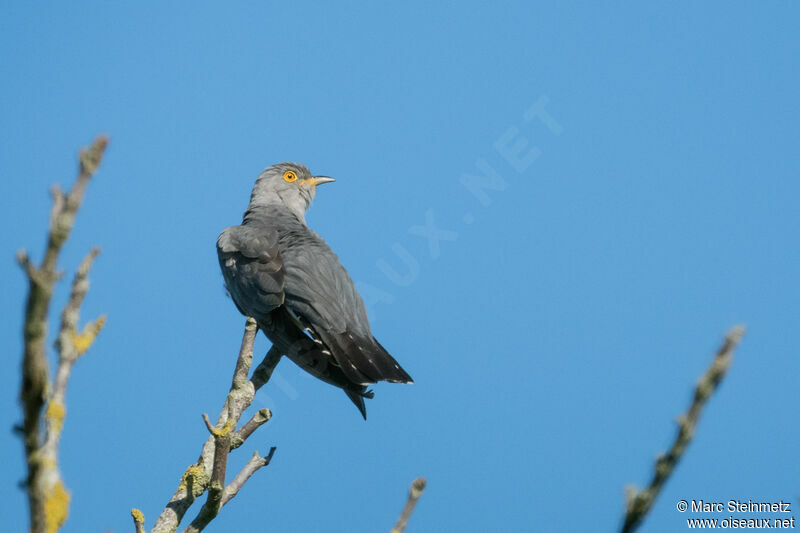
x=280 y=272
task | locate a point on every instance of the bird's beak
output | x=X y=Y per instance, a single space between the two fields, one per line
x=319 y=180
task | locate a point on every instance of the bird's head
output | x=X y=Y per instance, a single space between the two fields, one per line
x=289 y=184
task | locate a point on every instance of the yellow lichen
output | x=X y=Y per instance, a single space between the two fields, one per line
x=83 y=341
x=225 y=430
x=137 y=515
x=194 y=480
x=229 y=426
x=55 y=414
x=56 y=508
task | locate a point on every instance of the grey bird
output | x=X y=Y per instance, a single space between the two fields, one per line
x=280 y=272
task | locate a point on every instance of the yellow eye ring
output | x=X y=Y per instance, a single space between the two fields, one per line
x=289 y=176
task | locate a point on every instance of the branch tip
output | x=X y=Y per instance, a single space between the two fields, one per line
x=22 y=258
x=268 y=458
x=27 y=266
x=91 y=157
x=211 y=428
x=418 y=485
x=83 y=341
x=736 y=333
x=138 y=520
x=639 y=502
x=414 y=492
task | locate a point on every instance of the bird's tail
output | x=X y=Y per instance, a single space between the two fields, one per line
x=396 y=373
x=357 y=396
x=364 y=360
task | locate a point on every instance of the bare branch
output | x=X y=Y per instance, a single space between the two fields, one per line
x=261 y=417
x=70 y=347
x=47 y=498
x=80 y=286
x=69 y=344
x=138 y=520
x=639 y=503
x=208 y=473
x=245 y=359
x=58 y=204
x=264 y=370
x=26 y=264
x=249 y=469
x=63 y=221
x=222 y=447
x=417 y=487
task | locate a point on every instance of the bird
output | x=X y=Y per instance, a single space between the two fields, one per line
x=280 y=272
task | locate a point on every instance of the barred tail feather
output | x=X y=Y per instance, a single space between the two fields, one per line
x=364 y=360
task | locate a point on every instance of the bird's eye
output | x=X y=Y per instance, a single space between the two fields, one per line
x=289 y=176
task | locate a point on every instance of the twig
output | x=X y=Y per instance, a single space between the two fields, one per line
x=48 y=500
x=222 y=447
x=261 y=417
x=138 y=520
x=70 y=346
x=249 y=469
x=639 y=503
x=417 y=486
x=208 y=473
x=264 y=370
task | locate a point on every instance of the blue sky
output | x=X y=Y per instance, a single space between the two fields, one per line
x=554 y=333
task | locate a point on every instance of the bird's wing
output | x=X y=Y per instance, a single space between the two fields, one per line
x=318 y=288
x=252 y=268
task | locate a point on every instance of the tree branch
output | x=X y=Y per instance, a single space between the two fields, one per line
x=249 y=469
x=264 y=370
x=639 y=503
x=222 y=447
x=261 y=417
x=70 y=346
x=208 y=473
x=48 y=500
x=138 y=520
x=417 y=486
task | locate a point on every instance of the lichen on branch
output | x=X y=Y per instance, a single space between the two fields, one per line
x=209 y=472
x=41 y=399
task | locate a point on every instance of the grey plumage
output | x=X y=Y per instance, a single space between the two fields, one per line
x=280 y=272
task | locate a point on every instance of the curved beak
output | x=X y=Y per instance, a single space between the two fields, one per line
x=319 y=180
